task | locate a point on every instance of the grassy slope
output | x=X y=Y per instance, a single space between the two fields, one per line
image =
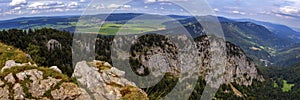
x=11 y=53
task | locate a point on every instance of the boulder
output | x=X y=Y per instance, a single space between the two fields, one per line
x=10 y=78
x=106 y=84
x=9 y=64
x=1 y=83
x=18 y=92
x=38 y=88
x=4 y=93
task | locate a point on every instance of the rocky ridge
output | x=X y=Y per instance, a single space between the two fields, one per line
x=27 y=81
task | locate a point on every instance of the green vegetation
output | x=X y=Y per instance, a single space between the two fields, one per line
x=112 y=28
x=12 y=53
x=275 y=85
x=287 y=87
x=33 y=42
x=46 y=72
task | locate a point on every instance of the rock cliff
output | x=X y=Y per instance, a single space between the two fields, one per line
x=154 y=51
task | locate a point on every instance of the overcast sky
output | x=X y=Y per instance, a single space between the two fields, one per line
x=278 y=11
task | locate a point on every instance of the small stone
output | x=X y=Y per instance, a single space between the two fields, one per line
x=21 y=76
x=55 y=68
x=8 y=64
x=18 y=92
x=10 y=78
x=1 y=83
x=4 y=93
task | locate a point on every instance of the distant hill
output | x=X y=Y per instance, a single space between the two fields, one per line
x=258 y=42
x=280 y=30
x=288 y=56
x=68 y=23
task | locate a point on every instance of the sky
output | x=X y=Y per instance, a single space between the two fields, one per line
x=285 y=12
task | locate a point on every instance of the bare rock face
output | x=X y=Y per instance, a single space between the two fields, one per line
x=103 y=81
x=238 y=67
x=163 y=55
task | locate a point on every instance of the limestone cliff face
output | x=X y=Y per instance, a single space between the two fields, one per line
x=102 y=81
x=157 y=52
x=238 y=67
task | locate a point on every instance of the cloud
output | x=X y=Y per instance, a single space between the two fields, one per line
x=73 y=5
x=17 y=8
x=150 y=1
x=216 y=10
x=289 y=10
x=238 y=12
x=46 y=5
x=127 y=6
x=17 y=2
x=113 y=6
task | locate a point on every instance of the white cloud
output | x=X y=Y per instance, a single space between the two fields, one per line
x=127 y=6
x=292 y=8
x=238 y=12
x=113 y=6
x=150 y=1
x=73 y=5
x=46 y=5
x=17 y=2
x=216 y=10
x=289 y=10
x=98 y=6
x=17 y=8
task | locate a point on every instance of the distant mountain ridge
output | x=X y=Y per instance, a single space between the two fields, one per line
x=260 y=40
x=281 y=30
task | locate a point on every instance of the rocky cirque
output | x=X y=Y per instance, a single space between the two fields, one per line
x=98 y=80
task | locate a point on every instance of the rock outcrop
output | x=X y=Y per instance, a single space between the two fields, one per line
x=11 y=63
x=98 y=80
x=238 y=67
x=105 y=82
x=30 y=82
x=53 y=45
x=159 y=52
